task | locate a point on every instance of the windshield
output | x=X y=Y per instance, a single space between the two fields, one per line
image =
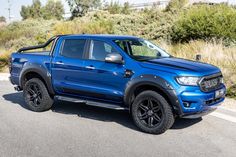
x=141 y=49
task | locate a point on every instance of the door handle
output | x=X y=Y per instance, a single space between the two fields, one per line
x=90 y=67
x=59 y=62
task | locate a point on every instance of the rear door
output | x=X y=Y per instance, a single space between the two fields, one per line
x=68 y=65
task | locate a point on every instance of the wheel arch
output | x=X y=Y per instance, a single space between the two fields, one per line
x=37 y=72
x=154 y=83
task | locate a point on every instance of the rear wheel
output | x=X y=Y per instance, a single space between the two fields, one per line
x=36 y=95
x=152 y=113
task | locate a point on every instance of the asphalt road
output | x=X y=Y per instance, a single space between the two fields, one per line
x=78 y=130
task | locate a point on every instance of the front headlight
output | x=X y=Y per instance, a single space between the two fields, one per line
x=188 y=80
x=222 y=80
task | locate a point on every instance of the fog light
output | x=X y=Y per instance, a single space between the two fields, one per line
x=186 y=104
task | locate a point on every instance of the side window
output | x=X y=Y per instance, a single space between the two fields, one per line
x=99 y=50
x=73 y=48
x=122 y=45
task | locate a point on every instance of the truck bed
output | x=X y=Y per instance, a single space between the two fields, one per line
x=20 y=60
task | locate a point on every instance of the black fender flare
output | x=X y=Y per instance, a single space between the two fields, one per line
x=157 y=82
x=41 y=71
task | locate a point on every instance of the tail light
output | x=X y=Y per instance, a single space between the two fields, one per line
x=10 y=64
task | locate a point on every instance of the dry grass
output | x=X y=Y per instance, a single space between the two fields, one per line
x=3 y=60
x=212 y=52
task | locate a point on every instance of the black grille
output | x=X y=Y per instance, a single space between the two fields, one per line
x=211 y=82
x=209 y=102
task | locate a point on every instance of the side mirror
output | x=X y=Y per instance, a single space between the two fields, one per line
x=114 y=58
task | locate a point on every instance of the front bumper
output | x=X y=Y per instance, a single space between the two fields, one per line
x=199 y=103
x=198 y=114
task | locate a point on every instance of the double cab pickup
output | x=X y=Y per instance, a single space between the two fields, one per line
x=117 y=72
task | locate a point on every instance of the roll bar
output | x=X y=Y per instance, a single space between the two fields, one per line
x=38 y=46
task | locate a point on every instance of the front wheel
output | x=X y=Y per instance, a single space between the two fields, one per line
x=152 y=113
x=36 y=95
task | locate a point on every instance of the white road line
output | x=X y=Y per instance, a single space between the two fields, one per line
x=224 y=116
x=227 y=109
x=4 y=76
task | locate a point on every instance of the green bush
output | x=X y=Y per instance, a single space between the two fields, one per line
x=84 y=26
x=176 y=5
x=205 y=22
x=231 y=92
x=18 y=34
x=151 y=24
x=116 y=8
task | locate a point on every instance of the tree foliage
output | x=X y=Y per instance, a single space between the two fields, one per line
x=176 y=5
x=52 y=10
x=116 y=8
x=206 y=22
x=2 y=19
x=32 y=11
x=79 y=8
x=126 y=8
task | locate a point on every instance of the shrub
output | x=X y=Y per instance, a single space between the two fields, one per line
x=3 y=59
x=231 y=91
x=116 y=8
x=150 y=24
x=20 y=33
x=205 y=22
x=80 y=26
x=176 y=5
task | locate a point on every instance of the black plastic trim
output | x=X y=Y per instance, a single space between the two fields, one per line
x=91 y=102
x=38 y=46
x=41 y=72
x=84 y=93
x=157 y=82
x=208 y=78
x=198 y=114
x=55 y=38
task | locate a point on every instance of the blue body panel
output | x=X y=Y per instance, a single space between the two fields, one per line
x=22 y=61
x=106 y=82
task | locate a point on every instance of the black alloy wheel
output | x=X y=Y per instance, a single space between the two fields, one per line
x=36 y=95
x=151 y=112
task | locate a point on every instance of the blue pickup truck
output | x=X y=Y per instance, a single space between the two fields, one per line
x=117 y=72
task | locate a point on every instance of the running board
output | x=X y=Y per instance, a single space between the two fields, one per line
x=90 y=103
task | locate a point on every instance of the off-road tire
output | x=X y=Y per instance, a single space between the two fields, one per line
x=140 y=111
x=36 y=95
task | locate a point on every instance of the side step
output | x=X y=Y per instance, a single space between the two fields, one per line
x=90 y=103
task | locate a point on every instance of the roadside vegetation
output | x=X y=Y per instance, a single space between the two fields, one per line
x=182 y=29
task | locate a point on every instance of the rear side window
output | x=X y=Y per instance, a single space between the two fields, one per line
x=73 y=48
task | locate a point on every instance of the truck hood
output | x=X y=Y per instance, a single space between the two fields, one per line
x=181 y=66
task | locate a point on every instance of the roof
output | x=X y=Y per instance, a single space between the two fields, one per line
x=103 y=36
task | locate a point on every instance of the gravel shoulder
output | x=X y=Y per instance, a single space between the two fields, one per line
x=230 y=104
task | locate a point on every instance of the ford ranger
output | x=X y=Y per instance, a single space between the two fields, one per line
x=117 y=72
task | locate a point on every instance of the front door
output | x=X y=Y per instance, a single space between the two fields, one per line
x=104 y=80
